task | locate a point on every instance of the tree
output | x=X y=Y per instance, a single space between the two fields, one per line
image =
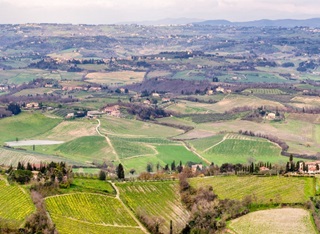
x=173 y=166
x=102 y=175
x=14 y=108
x=120 y=171
x=149 y=167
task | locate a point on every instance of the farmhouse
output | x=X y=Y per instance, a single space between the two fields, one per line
x=32 y=105
x=112 y=110
x=309 y=167
x=94 y=89
x=94 y=114
x=165 y=100
x=155 y=95
x=220 y=90
x=70 y=115
x=196 y=167
x=210 y=92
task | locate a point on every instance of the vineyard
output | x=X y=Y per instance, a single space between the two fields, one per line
x=10 y=157
x=264 y=189
x=156 y=199
x=71 y=226
x=239 y=151
x=286 y=220
x=15 y=204
x=264 y=91
x=88 y=208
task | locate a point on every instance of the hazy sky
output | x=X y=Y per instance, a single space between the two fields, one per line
x=113 y=11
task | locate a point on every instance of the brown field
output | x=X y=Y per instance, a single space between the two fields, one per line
x=276 y=221
x=115 y=78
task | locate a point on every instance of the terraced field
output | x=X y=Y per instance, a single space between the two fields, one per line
x=15 y=204
x=285 y=221
x=263 y=189
x=88 y=210
x=156 y=199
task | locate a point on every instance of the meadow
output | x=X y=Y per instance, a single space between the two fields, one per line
x=15 y=204
x=25 y=126
x=264 y=190
x=285 y=220
x=160 y=199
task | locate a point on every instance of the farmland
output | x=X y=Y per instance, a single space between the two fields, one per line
x=91 y=209
x=25 y=126
x=15 y=204
x=13 y=157
x=155 y=199
x=115 y=78
x=264 y=190
x=285 y=220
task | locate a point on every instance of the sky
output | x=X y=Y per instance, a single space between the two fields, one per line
x=115 y=11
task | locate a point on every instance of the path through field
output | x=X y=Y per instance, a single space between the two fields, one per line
x=128 y=210
x=108 y=140
x=193 y=151
x=223 y=139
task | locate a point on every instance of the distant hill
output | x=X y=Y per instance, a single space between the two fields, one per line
x=167 y=21
x=315 y=22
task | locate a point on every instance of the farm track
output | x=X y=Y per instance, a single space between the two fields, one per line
x=127 y=209
x=223 y=139
x=108 y=140
x=193 y=151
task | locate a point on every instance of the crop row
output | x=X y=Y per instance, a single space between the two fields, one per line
x=15 y=205
x=263 y=189
x=70 y=226
x=156 y=199
x=90 y=208
x=264 y=91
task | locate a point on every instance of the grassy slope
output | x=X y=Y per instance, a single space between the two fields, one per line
x=290 y=190
x=136 y=128
x=84 y=149
x=238 y=151
x=26 y=125
x=286 y=221
x=15 y=204
x=156 y=199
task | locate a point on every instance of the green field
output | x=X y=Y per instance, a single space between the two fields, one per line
x=156 y=199
x=90 y=186
x=169 y=153
x=264 y=190
x=136 y=128
x=15 y=205
x=26 y=125
x=87 y=208
x=12 y=157
x=286 y=221
x=84 y=149
x=238 y=151
x=127 y=149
